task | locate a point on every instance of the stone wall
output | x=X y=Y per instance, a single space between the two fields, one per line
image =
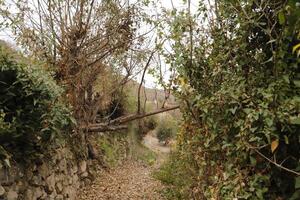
x=57 y=177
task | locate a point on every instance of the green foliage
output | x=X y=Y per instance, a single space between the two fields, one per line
x=31 y=115
x=144 y=154
x=175 y=173
x=241 y=99
x=113 y=148
x=166 y=128
x=137 y=150
x=164 y=132
x=151 y=122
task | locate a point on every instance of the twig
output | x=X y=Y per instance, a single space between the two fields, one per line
x=276 y=164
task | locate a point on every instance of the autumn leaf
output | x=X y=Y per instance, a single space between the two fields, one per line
x=296 y=48
x=274 y=145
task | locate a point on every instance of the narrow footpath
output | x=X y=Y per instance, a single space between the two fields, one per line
x=130 y=181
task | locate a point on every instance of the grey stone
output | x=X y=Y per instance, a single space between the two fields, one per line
x=84 y=175
x=59 y=197
x=36 y=180
x=2 y=191
x=82 y=166
x=44 y=170
x=63 y=165
x=70 y=192
x=74 y=169
x=50 y=183
x=52 y=196
x=70 y=181
x=12 y=195
x=34 y=193
x=59 y=187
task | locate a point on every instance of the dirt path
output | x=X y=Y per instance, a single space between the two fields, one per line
x=130 y=181
x=151 y=141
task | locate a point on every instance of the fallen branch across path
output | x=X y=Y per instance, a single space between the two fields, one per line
x=117 y=124
x=132 y=117
x=101 y=128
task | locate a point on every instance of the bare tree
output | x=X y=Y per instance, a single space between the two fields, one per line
x=79 y=39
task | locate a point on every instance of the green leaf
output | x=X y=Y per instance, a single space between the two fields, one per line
x=286 y=139
x=7 y=163
x=297 y=83
x=297 y=183
x=286 y=78
x=73 y=120
x=281 y=18
x=295 y=196
x=295 y=120
x=252 y=160
x=233 y=110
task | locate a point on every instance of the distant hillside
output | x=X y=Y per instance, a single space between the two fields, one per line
x=152 y=95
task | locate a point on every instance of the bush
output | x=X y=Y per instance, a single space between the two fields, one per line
x=240 y=98
x=31 y=115
x=166 y=129
x=151 y=123
x=177 y=177
x=164 y=133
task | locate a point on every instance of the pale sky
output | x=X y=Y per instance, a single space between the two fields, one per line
x=167 y=4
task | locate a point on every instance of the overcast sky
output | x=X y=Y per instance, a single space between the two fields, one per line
x=168 y=4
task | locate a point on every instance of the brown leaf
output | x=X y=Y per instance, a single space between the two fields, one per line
x=274 y=145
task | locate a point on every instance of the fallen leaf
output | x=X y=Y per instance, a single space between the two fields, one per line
x=274 y=145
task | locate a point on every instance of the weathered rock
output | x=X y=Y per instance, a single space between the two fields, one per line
x=34 y=193
x=9 y=176
x=82 y=166
x=52 y=196
x=84 y=174
x=63 y=165
x=2 y=191
x=49 y=179
x=36 y=180
x=38 y=193
x=12 y=195
x=59 y=187
x=70 y=181
x=69 y=192
x=50 y=183
x=44 y=170
x=74 y=169
x=59 y=197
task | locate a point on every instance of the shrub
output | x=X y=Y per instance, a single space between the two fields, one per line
x=177 y=177
x=151 y=123
x=166 y=129
x=240 y=100
x=31 y=115
x=164 y=133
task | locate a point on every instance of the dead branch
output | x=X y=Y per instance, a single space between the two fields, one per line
x=276 y=164
x=100 y=128
x=116 y=124
x=132 y=117
x=273 y=162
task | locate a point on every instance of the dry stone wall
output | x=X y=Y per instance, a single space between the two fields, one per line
x=55 y=178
